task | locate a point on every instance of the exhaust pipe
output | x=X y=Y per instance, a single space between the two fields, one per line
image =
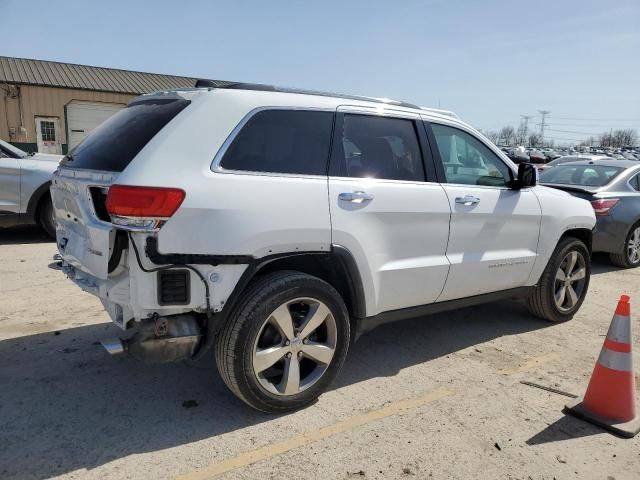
x=113 y=346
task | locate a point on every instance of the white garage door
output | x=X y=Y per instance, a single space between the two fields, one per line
x=83 y=117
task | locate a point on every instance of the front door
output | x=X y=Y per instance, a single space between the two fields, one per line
x=392 y=217
x=494 y=229
x=9 y=183
x=47 y=135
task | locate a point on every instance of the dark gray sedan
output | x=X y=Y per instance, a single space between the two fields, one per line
x=613 y=188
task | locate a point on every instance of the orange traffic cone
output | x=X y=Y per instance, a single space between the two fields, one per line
x=610 y=399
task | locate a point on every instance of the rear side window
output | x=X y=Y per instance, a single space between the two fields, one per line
x=635 y=182
x=377 y=147
x=282 y=141
x=113 y=145
x=583 y=175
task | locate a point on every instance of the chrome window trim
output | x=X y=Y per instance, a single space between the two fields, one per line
x=217 y=159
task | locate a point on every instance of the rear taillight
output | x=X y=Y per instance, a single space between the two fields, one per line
x=601 y=207
x=142 y=208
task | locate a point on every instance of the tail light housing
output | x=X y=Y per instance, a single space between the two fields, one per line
x=142 y=208
x=602 y=206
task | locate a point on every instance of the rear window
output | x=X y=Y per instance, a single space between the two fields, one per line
x=113 y=145
x=282 y=141
x=583 y=175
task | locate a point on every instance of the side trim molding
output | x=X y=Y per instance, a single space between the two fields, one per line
x=370 y=323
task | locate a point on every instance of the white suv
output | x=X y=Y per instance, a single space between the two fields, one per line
x=277 y=225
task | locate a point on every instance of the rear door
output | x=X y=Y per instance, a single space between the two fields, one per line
x=386 y=208
x=494 y=230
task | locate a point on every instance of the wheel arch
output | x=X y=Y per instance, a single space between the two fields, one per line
x=33 y=207
x=585 y=235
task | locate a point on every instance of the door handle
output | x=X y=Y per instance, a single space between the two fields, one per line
x=468 y=200
x=355 y=197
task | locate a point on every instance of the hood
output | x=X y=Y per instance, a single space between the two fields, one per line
x=47 y=157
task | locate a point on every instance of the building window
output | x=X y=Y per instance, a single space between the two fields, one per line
x=48 y=131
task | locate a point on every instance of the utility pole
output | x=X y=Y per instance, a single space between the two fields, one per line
x=544 y=114
x=525 y=127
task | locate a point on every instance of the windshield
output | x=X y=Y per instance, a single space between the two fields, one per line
x=15 y=151
x=583 y=175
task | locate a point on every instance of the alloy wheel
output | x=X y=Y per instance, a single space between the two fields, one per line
x=570 y=281
x=633 y=247
x=294 y=346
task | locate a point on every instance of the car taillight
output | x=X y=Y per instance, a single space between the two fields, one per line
x=602 y=207
x=142 y=208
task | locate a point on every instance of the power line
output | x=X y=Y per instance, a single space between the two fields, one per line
x=598 y=119
x=573 y=131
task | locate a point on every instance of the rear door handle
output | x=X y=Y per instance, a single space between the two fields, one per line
x=355 y=197
x=468 y=200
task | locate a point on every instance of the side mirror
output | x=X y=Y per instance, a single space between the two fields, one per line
x=527 y=176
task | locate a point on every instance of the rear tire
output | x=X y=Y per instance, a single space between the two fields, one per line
x=630 y=255
x=301 y=323
x=46 y=217
x=564 y=283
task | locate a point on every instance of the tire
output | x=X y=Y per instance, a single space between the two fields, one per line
x=46 y=217
x=624 y=258
x=543 y=302
x=251 y=329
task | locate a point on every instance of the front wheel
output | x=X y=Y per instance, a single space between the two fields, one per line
x=284 y=342
x=47 y=218
x=563 y=284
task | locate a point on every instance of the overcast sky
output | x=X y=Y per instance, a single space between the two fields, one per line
x=489 y=61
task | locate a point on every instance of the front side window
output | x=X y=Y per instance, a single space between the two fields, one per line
x=468 y=161
x=282 y=141
x=377 y=147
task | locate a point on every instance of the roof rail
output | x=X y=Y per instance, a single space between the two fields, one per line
x=446 y=113
x=271 y=88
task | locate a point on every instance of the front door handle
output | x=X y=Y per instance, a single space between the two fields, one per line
x=355 y=197
x=468 y=200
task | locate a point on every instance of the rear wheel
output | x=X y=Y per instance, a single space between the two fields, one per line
x=46 y=217
x=630 y=255
x=284 y=342
x=564 y=282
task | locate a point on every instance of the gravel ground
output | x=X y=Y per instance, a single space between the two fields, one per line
x=437 y=397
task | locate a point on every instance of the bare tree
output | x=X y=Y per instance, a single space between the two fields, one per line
x=507 y=134
x=493 y=136
x=534 y=140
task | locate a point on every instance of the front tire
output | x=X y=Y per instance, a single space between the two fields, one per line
x=284 y=342
x=630 y=255
x=564 y=283
x=46 y=217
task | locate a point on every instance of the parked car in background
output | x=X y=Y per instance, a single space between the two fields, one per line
x=613 y=188
x=24 y=187
x=517 y=155
x=311 y=218
x=573 y=158
x=536 y=156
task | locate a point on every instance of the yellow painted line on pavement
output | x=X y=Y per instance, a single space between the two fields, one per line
x=530 y=364
x=269 y=451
